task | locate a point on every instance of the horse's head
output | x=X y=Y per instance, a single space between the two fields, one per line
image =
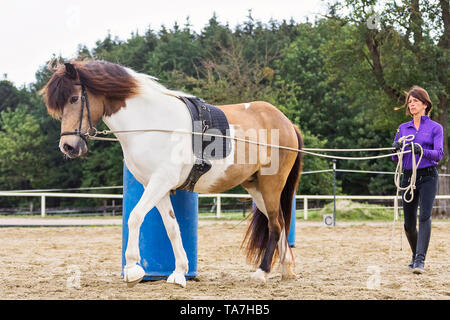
x=79 y=94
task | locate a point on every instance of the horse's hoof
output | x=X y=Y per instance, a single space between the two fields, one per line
x=133 y=283
x=288 y=276
x=259 y=276
x=133 y=275
x=177 y=278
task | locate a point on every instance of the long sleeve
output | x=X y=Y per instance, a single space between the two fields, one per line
x=437 y=153
x=397 y=136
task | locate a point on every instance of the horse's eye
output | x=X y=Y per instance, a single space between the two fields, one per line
x=73 y=99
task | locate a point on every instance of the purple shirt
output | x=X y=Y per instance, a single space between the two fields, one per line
x=429 y=136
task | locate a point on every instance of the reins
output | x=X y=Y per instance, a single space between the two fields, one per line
x=92 y=132
x=398 y=171
x=304 y=150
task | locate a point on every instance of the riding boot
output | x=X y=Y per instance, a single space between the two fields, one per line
x=411 y=235
x=422 y=245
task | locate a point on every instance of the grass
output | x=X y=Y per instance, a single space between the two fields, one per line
x=347 y=210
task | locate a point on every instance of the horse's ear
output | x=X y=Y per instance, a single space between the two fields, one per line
x=71 y=72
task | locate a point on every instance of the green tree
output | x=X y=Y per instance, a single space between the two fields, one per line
x=20 y=150
x=316 y=183
x=178 y=51
x=389 y=49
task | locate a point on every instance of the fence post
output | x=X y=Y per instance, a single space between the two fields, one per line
x=334 y=192
x=218 y=207
x=43 y=206
x=305 y=208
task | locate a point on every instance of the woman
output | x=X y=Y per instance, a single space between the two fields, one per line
x=429 y=135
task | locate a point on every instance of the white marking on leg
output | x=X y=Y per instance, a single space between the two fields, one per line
x=286 y=258
x=173 y=232
x=258 y=199
x=282 y=246
x=260 y=276
x=133 y=274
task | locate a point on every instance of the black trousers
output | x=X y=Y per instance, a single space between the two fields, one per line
x=424 y=195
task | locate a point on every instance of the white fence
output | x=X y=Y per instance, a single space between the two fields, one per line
x=44 y=195
x=218 y=196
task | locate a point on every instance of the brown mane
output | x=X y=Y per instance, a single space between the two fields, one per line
x=100 y=78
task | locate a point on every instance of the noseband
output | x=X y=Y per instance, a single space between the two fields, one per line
x=92 y=131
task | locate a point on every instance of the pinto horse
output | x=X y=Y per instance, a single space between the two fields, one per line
x=129 y=101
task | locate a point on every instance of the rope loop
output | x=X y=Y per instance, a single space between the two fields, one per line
x=407 y=140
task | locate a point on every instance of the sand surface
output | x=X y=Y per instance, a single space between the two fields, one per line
x=349 y=261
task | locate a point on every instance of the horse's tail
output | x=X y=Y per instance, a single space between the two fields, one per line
x=257 y=234
x=290 y=188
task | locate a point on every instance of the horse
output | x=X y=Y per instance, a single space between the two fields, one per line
x=129 y=102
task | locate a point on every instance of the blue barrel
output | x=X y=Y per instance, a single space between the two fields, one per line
x=157 y=258
x=291 y=236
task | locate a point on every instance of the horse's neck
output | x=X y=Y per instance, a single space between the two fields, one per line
x=143 y=112
x=143 y=152
x=152 y=110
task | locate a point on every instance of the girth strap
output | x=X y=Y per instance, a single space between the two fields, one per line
x=201 y=121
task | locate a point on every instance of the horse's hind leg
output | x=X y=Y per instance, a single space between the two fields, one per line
x=265 y=266
x=173 y=232
x=286 y=257
x=272 y=205
x=267 y=236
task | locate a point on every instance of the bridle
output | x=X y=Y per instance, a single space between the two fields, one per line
x=92 y=131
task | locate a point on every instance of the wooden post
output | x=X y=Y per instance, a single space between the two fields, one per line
x=218 y=207
x=43 y=206
x=305 y=208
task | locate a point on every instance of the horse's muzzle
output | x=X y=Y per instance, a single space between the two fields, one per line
x=73 y=148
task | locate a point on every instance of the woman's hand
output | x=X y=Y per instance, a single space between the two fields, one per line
x=417 y=148
x=397 y=145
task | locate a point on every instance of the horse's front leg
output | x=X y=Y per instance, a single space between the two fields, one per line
x=173 y=232
x=160 y=183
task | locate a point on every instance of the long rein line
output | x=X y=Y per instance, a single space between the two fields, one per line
x=398 y=171
x=304 y=150
x=92 y=133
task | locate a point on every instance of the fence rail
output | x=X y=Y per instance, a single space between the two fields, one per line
x=217 y=196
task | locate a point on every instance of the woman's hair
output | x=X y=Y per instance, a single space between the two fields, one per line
x=420 y=94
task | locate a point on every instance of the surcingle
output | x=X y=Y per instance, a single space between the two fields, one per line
x=207 y=120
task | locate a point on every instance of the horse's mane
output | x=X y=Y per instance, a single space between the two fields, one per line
x=100 y=77
x=110 y=80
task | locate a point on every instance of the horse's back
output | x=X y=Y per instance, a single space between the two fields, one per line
x=260 y=115
x=257 y=121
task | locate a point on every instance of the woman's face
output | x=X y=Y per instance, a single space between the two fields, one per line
x=416 y=107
